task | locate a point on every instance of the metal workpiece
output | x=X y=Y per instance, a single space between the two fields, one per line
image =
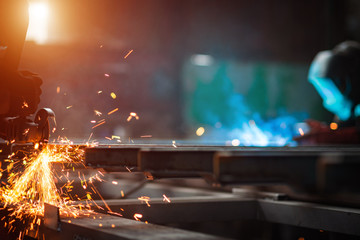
x=310 y=215
x=312 y=171
x=112 y=158
x=227 y=208
x=104 y=226
x=194 y=209
x=176 y=162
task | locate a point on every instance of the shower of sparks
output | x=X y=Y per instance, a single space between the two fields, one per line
x=28 y=190
x=128 y=53
x=132 y=115
x=112 y=111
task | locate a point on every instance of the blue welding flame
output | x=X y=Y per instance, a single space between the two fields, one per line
x=228 y=117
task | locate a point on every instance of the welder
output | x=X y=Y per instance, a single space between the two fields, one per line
x=335 y=74
x=19 y=90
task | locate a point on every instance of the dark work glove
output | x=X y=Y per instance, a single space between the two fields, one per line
x=25 y=93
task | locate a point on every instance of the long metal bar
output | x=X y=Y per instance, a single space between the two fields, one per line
x=103 y=226
x=224 y=208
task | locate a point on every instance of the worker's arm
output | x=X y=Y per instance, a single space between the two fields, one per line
x=20 y=93
x=321 y=134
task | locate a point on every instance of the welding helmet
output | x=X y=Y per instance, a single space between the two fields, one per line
x=335 y=75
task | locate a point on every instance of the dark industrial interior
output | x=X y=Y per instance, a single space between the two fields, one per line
x=188 y=119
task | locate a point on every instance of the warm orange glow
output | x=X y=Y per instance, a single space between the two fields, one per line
x=333 y=126
x=132 y=115
x=128 y=54
x=111 y=112
x=145 y=199
x=38 y=22
x=301 y=132
x=137 y=216
x=200 y=131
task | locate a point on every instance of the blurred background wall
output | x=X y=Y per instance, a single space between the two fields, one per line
x=250 y=56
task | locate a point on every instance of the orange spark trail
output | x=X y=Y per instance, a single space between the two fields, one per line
x=111 y=112
x=98 y=124
x=129 y=53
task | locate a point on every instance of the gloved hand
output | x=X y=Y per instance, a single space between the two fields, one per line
x=321 y=134
x=24 y=90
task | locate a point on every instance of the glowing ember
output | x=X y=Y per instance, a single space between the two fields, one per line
x=333 y=126
x=99 y=124
x=165 y=198
x=58 y=90
x=112 y=111
x=113 y=95
x=128 y=53
x=137 y=216
x=97 y=113
x=132 y=115
x=68 y=107
x=145 y=199
x=25 y=105
x=301 y=132
x=106 y=75
x=200 y=131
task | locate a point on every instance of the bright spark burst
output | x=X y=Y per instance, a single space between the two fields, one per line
x=132 y=115
x=97 y=113
x=113 y=95
x=137 y=216
x=145 y=199
x=29 y=190
x=25 y=105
